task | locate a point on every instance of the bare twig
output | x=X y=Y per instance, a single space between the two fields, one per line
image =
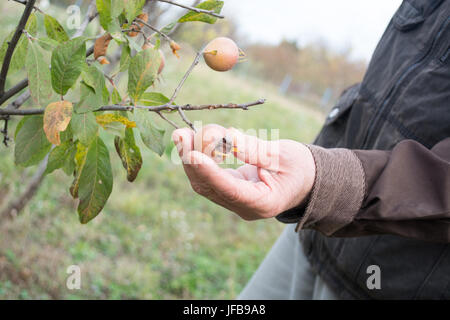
x=198 y=10
x=16 y=104
x=177 y=26
x=178 y=88
x=185 y=119
x=186 y=75
x=167 y=119
x=5 y=131
x=13 y=43
x=165 y=36
x=14 y=90
x=117 y=107
x=90 y=15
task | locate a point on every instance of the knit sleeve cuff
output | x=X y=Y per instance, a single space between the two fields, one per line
x=338 y=190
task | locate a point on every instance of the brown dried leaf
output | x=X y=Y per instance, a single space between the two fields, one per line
x=175 y=47
x=101 y=45
x=137 y=26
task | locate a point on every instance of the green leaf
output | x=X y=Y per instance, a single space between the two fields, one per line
x=80 y=160
x=89 y=100
x=19 y=55
x=84 y=127
x=104 y=12
x=125 y=58
x=133 y=8
x=167 y=29
x=69 y=165
x=169 y=149
x=119 y=37
x=153 y=99
x=117 y=7
x=211 y=5
x=133 y=44
x=129 y=153
x=142 y=72
x=61 y=156
x=31 y=143
x=39 y=78
x=47 y=43
x=54 y=29
x=152 y=136
x=19 y=126
x=105 y=95
x=116 y=97
x=96 y=181
x=108 y=11
x=67 y=134
x=67 y=64
x=94 y=78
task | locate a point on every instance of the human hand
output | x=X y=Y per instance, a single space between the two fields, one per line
x=278 y=175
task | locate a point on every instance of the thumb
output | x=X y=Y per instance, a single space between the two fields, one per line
x=254 y=151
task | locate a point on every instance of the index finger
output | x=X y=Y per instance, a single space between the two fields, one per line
x=254 y=151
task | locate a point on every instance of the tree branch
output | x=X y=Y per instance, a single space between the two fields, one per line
x=116 y=107
x=178 y=88
x=165 y=36
x=90 y=15
x=14 y=90
x=186 y=75
x=198 y=10
x=16 y=206
x=17 y=103
x=13 y=43
x=5 y=131
x=173 y=124
x=25 y=3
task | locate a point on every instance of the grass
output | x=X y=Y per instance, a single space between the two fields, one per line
x=155 y=239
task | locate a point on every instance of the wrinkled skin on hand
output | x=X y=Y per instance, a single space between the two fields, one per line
x=277 y=175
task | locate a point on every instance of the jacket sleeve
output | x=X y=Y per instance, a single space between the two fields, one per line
x=403 y=192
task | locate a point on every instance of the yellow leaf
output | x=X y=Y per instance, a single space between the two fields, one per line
x=106 y=119
x=56 y=119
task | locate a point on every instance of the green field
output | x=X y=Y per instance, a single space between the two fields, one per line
x=155 y=239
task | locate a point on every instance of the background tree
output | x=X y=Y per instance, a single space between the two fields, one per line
x=75 y=96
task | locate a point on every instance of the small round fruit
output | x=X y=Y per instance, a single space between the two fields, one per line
x=208 y=141
x=221 y=54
